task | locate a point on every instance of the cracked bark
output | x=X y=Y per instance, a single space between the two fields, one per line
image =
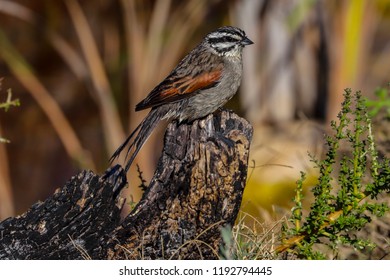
x=196 y=189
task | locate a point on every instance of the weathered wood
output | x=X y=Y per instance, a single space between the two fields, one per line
x=196 y=189
x=67 y=225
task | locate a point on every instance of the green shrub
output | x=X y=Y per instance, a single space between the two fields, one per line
x=351 y=178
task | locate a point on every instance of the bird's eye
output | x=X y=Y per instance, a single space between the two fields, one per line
x=230 y=39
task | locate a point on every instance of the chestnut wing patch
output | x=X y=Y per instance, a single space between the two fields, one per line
x=174 y=90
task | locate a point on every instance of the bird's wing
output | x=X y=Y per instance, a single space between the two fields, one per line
x=175 y=88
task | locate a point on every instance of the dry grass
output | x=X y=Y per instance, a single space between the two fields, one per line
x=254 y=240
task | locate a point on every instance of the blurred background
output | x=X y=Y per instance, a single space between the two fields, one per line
x=79 y=67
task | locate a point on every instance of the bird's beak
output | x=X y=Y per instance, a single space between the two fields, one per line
x=246 y=41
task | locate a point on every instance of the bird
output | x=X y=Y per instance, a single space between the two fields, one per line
x=202 y=82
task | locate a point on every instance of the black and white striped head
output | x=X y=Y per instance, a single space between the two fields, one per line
x=227 y=41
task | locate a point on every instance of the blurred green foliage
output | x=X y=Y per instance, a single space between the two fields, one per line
x=381 y=102
x=6 y=105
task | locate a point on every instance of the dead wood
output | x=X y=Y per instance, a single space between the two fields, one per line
x=196 y=190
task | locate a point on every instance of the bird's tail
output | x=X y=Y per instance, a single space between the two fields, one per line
x=141 y=134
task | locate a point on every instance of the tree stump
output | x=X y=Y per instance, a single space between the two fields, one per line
x=196 y=190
